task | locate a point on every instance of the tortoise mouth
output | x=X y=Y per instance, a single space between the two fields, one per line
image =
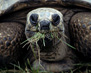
x=45 y=45
x=44 y=38
x=42 y=34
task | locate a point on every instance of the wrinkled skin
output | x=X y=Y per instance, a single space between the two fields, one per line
x=71 y=18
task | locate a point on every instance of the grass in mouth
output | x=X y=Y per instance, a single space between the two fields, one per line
x=35 y=38
x=38 y=36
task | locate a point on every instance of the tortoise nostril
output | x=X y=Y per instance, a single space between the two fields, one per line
x=44 y=25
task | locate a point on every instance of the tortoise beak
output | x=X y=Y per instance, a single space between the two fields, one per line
x=44 y=26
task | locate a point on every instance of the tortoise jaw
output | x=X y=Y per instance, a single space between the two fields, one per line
x=44 y=32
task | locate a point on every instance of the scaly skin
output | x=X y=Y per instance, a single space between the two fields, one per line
x=68 y=16
x=10 y=37
x=81 y=32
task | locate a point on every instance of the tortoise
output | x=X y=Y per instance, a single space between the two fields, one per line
x=22 y=19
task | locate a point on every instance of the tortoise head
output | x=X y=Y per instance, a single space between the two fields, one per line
x=45 y=21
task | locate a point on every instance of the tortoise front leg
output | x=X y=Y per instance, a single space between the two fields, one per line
x=11 y=35
x=80 y=28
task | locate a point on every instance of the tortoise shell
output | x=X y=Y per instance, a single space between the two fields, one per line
x=14 y=5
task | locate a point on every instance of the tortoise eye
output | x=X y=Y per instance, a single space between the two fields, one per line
x=33 y=19
x=55 y=19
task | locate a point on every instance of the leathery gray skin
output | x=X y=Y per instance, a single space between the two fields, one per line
x=55 y=58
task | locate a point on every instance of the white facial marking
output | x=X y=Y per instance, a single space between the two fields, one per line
x=46 y=14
